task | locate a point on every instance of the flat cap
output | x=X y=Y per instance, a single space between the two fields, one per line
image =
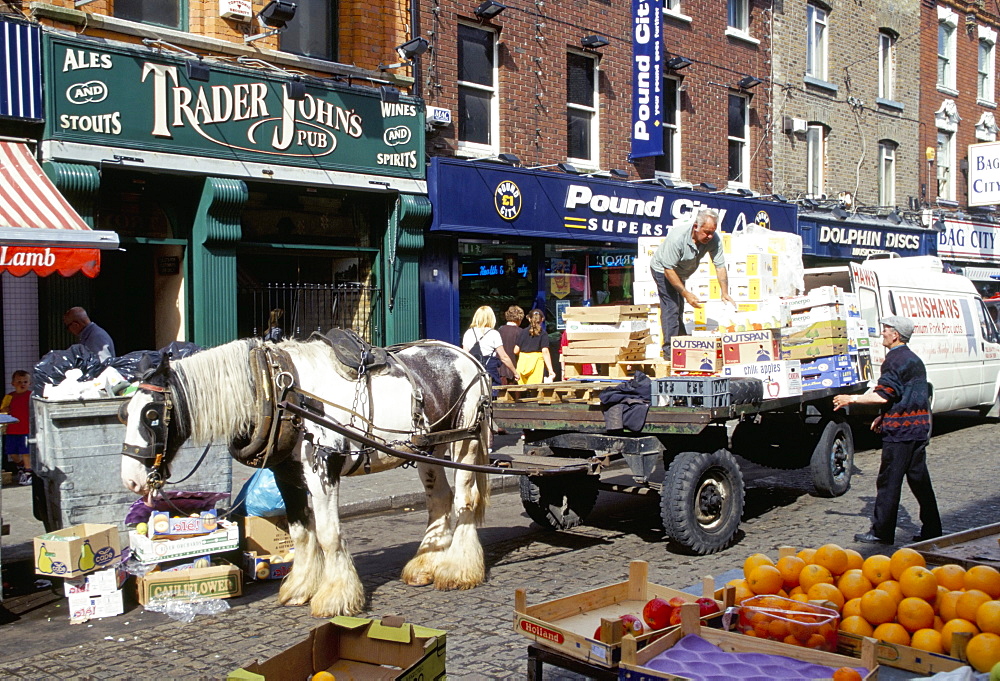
x=904 y=325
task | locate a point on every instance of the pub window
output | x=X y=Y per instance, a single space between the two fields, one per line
x=478 y=114
x=581 y=107
x=170 y=13
x=313 y=31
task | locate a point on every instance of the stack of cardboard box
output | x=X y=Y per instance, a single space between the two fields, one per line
x=268 y=551
x=819 y=336
x=606 y=335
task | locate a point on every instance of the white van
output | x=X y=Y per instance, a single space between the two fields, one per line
x=953 y=334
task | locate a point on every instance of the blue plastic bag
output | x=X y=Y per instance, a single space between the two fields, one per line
x=260 y=496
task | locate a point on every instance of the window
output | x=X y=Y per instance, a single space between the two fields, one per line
x=477 y=88
x=739 y=15
x=670 y=162
x=313 y=30
x=886 y=173
x=947 y=21
x=581 y=107
x=987 y=57
x=162 y=12
x=739 y=140
x=945 y=160
x=816 y=42
x=886 y=64
x=815 y=160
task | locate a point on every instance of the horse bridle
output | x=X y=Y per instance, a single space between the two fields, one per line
x=155 y=422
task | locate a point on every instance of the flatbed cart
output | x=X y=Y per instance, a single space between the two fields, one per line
x=683 y=453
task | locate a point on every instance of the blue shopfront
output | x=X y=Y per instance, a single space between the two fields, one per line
x=502 y=235
x=827 y=240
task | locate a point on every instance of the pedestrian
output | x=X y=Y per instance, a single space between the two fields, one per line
x=274 y=332
x=510 y=332
x=484 y=343
x=15 y=437
x=675 y=260
x=532 y=350
x=93 y=337
x=905 y=424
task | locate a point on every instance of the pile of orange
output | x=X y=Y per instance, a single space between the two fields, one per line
x=892 y=598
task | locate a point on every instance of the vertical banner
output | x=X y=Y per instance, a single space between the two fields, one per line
x=647 y=79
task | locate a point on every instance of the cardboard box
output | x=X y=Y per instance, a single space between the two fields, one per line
x=644 y=292
x=588 y=327
x=162 y=525
x=146 y=550
x=807 y=332
x=781 y=378
x=824 y=364
x=820 y=313
x=605 y=314
x=695 y=353
x=863 y=362
x=647 y=245
x=97 y=583
x=749 y=346
x=822 y=347
x=744 y=288
x=568 y=624
x=217 y=581
x=267 y=566
x=853 y=304
x=77 y=550
x=84 y=607
x=830 y=379
x=899 y=656
x=266 y=535
x=609 y=336
x=357 y=648
x=824 y=295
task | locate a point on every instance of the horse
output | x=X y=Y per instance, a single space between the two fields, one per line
x=225 y=394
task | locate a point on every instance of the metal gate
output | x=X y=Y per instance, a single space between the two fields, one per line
x=299 y=309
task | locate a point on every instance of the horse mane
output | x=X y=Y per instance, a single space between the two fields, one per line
x=216 y=387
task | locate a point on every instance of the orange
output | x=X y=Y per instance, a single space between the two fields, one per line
x=918 y=581
x=855 y=624
x=800 y=597
x=790 y=567
x=891 y=632
x=988 y=617
x=938 y=623
x=878 y=607
x=806 y=555
x=753 y=561
x=854 y=584
x=983 y=578
x=950 y=576
x=891 y=587
x=854 y=559
x=904 y=558
x=947 y=604
x=847 y=674
x=955 y=626
x=764 y=579
x=876 y=568
x=832 y=557
x=814 y=574
x=792 y=641
x=797 y=591
x=983 y=651
x=851 y=607
x=778 y=628
x=968 y=604
x=743 y=591
x=821 y=591
x=817 y=641
x=915 y=613
x=927 y=639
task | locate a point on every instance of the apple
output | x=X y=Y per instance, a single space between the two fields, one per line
x=656 y=613
x=633 y=624
x=707 y=606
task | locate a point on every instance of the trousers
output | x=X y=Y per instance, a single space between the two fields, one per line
x=904 y=460
x=671 y=311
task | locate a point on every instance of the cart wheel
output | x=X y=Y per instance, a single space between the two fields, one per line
x=701 y=502
x=833 y=459
x=559 y=502
x=771 y=443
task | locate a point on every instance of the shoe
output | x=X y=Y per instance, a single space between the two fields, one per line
x=25 y=477
x=869 y=538
x=925 y=537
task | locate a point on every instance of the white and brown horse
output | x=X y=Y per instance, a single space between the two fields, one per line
x=426 y=387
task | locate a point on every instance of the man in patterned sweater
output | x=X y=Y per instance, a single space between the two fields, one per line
x=905 y=424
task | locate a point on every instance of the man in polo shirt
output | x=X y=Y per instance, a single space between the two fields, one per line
x=905 y=424
x=676 y=260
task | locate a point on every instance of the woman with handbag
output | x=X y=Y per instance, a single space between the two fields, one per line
x=484 y=343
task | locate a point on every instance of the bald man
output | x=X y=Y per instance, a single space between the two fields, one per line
x=93 y=337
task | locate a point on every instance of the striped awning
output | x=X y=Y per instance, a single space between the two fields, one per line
x=39 y=230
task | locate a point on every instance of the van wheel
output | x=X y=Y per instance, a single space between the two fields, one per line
x=833 y=459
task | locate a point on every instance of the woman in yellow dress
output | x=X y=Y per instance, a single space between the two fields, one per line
x=532 y=350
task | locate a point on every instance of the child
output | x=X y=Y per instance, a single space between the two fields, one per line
x=15 y=439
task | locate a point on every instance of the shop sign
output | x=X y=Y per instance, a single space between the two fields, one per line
x=486 y=198
x=848 y=240
x=984 y=174
x=647 y=79
x=43 y=261
x=125 y=97
x=969 y=241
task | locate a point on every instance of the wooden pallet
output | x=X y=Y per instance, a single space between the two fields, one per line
x=652 y=368
x=553 y=393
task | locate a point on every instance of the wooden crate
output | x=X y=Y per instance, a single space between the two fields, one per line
x=978 y=546
x=553 y=393
x=575 y=370
x=606 y=314
x=568 y=624
x=652 y=368
x=634 y=661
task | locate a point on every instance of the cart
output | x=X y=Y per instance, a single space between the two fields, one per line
x=685 y=454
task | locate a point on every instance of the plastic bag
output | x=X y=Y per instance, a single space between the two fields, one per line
x=133 y=364
x=186 y=612
x=180 y=349
x=51 y=369
x=260 y=496
x=179 y=502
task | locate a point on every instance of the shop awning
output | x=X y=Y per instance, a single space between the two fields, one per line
x=981 y=273
x=39 y=230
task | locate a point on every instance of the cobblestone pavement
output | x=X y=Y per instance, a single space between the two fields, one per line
x=780 y=510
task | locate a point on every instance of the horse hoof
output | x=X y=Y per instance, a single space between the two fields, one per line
x=424 y=579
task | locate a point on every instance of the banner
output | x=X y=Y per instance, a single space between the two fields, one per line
x=647 y=79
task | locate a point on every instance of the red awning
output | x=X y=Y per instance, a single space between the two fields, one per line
x=39 y=229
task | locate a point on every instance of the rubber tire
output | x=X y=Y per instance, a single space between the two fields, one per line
x=701 y=502
x=559 y=502
x=760 y=443
x=745 y=390
x=833 y=460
